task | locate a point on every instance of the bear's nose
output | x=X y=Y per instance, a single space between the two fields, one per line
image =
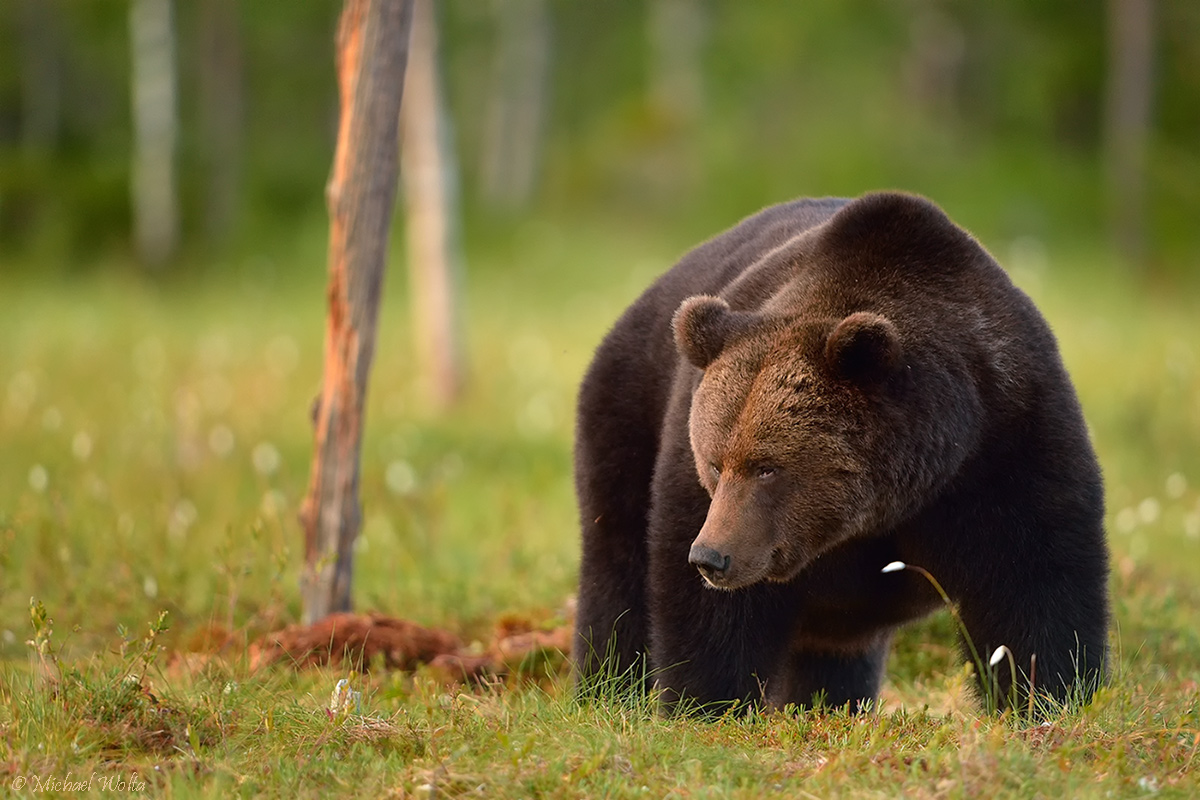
x=710 y=563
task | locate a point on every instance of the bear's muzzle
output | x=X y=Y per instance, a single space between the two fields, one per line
x=712 y=564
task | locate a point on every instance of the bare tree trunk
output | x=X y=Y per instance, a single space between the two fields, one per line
x=41 y=72
x=933 y=66
x=372 y=47
x=676 y=32
x=430 y=178
x=1130 y=96
x=516 y=103
x=221 y=113
x=155 y=204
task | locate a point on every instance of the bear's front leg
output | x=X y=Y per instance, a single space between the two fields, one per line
x=1045 y=602
x=810 y=678
x=1055 y=634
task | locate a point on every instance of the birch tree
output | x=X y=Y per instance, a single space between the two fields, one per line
x=430 y=193
x=40 y=51
x=221 y=118
x=517 y=103
x=1129 y=104
x=153 y=185
x=676 y=31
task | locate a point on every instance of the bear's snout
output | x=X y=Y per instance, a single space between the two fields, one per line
x=712 y=565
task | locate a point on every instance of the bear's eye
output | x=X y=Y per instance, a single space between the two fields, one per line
x=716 y=471
x=765 y=472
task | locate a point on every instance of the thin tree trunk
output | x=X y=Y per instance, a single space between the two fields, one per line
x=430 y=179
x=676 y=31
x=41 y=73
x=155 y=204
x=1130 y=97
x=221 y=113
x=516 y=103
x=372 y=47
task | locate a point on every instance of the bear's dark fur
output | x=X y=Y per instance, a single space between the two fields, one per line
x=828 y=387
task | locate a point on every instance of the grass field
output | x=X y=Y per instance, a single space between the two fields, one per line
x=155 y=446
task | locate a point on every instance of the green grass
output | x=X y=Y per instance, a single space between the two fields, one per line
x=155 y=445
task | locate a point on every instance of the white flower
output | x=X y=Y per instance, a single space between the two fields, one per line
x=39 y=479
x=81 y=445
x=895 y=566
x=221 y=440
x=266 y=458
x=401 y=478
x=998 y=655
x=345 y=700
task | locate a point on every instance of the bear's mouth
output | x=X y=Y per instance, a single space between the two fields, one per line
x=740 y=576
x=719 y=584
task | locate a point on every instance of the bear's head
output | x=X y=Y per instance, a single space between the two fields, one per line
x=784 y=429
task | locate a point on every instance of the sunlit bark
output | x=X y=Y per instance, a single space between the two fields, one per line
x=372 y=49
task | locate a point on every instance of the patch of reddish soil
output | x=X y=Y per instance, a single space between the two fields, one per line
x=365 y=641
x=359 y=640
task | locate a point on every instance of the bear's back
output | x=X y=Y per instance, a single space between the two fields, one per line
x=710 y=268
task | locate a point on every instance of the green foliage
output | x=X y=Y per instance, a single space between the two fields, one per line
x=101 y=707
x=995 y=109
x=156 y=446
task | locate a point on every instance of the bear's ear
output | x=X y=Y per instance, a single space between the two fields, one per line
x=899 y=229
x=705 y=326
x=864 y=347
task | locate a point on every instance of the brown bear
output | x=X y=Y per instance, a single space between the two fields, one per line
x=828 y=387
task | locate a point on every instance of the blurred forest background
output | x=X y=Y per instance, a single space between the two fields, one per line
x=1021 y=117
